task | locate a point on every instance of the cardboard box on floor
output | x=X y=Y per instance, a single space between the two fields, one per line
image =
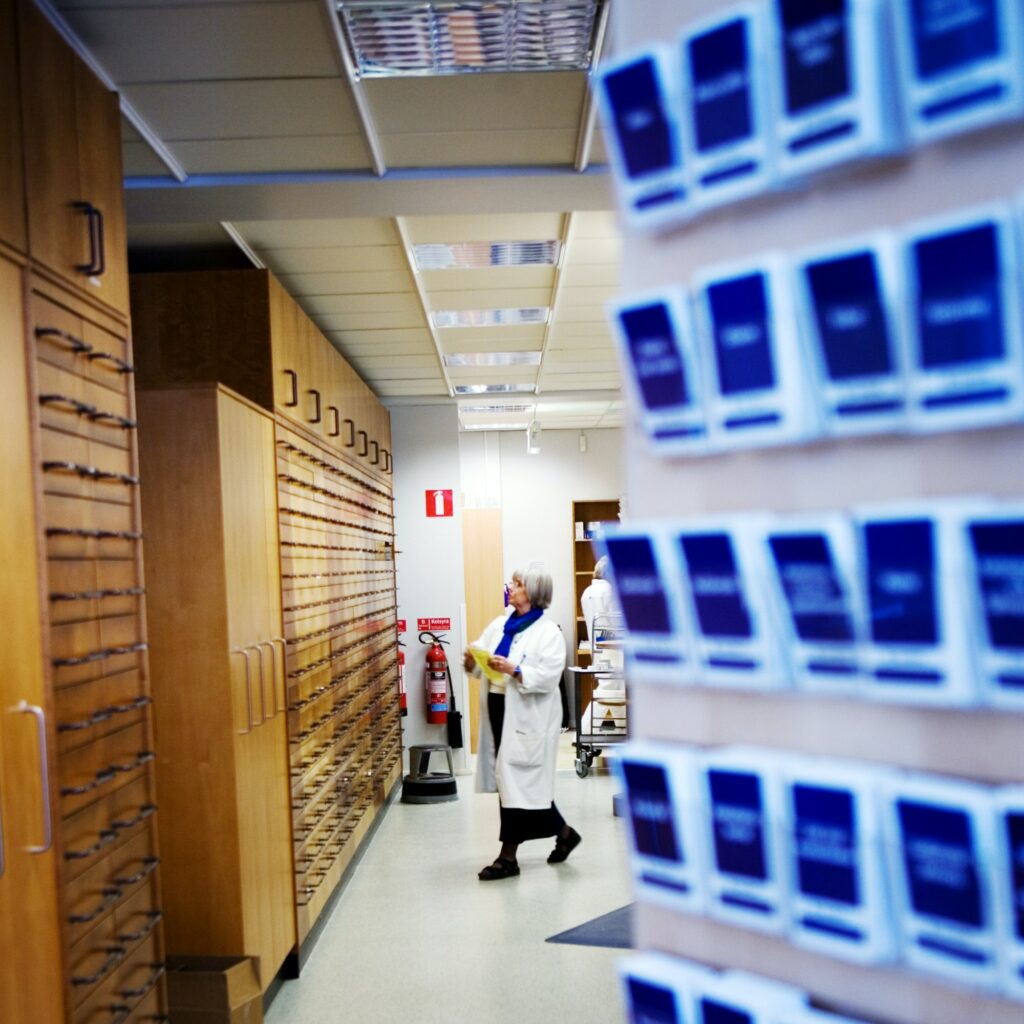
x=214 y=990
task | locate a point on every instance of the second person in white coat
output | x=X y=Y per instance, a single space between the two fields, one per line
x=520 y=721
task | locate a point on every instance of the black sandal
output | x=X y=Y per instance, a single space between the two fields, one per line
x=563 y=847
x=501 y=868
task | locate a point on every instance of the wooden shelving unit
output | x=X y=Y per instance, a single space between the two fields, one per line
x=583 y=561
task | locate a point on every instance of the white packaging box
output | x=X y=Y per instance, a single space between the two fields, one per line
x=964 y=315
x=638 y=94
x=727 y=109
x=722 y=567
x=1009 y=888
x=994 y=544
x=743 y=812
x=736 y=997
x=748 y=339
x=940 y=845
x=840 y=903
x=663 y=806
x=654 y=335
x=658 y=988
x=848 y=298
x=833 y=83
x=961 y=65
x=912 y=563
x=644 y=580
x=813 y=569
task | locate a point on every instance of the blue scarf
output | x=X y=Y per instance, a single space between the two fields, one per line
x=515 y=624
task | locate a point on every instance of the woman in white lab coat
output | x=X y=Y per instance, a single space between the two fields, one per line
x=520 y=721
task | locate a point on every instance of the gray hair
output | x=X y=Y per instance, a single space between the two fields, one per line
x=601 y=569
x=538 y=585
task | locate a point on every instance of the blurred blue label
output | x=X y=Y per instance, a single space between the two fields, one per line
x=651 y=1004
x=999 y=555
x=816 y=60
x=825 y=834
x=742 y=333
x=720 y=87
x=817 y=603
x=650 y=811
x=716 y=586
x=737 y=821
x=638 y=585
x=952 y=35
x=656 y=357
x=640 y=123
x=901 y=574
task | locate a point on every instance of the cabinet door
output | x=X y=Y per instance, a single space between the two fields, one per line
x=249 y=492
x=12 y=182
x=31 y=976
x=101 y=181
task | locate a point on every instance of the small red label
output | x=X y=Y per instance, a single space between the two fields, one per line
x=433 y=624
x=439 y=504
x=400 y=623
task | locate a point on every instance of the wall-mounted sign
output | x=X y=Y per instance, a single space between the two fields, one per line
x=433 y=624
x=401 y=625
x=439 y=504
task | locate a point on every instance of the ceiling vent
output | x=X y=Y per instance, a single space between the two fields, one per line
x=451 y=37
x=476 y=255
x=489 y=317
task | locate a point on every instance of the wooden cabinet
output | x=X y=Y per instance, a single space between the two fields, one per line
x=12 y=180
x=586 y=517
x=72 y=161
x=210 y=517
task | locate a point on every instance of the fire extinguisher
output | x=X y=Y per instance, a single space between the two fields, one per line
x=403 y=706
x=437 y=680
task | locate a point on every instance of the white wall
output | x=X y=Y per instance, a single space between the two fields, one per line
x=425 y=443
x=536 y=492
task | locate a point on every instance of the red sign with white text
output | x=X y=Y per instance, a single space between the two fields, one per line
x=433 y=624
x=439 y=504
x=400 y=623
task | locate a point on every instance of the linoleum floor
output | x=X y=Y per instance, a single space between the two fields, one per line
x=416 y=938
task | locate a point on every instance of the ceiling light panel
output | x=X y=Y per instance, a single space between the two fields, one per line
x=489 y=317
x=448 y=37
x=474 y=255
x=494 y=389
x=492 y=359
x=502 y=410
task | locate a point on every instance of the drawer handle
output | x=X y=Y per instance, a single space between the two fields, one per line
x=153 y=918
x=294 y=379
x=244 y=651
x=70 y=404
x=142 y=701
x=106 y=837
x=110 y=897
x=120 y=1013
x=124 y=825
x=337 y=421
x=103 y=655
x=103 y=776
x=147 y=986
x=366 y=445
x=149 y=865
x=115 y=954
x=387 y=461
x=142 y=758
x=105 y=714
x=90 y=472
x=24 y=708
x=98 y=595
x=77 y=345
x=112 y=419
x=350 y=443
x=97 y=264
x=116 y=361
x=376 y=455
x=316 y=396
x=77 y=531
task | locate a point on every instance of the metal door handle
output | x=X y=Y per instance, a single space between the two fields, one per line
x=376 y=453
x=316 y=395
x=337 y=421
x=24 y=708
x=97 y=264
x=350 y=443
x=244 y=652
x=294 y=400
x=284 y=680
x=258 y=648
x=366 y=443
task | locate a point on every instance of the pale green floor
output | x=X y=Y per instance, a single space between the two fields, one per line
x=416 y=937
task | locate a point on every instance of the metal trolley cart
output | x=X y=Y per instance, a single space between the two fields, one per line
x=602 y=717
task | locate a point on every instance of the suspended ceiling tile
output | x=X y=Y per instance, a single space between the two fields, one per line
x=367 y=321
x=180 y=42
x=326 y=305
x=176 y=236
x=587 y=251
x=488 y=277
x=578 y=381
x=370 y=282
x=139 y=161
x=484 y=103
x=343 y=259
x=553 y=363
x=272 y=155
x=408 y=375
x=596 y=224
x=567 y=333
x=581 y=295
x=454 y=342
x=419 y=336
x=598 y=153
x=572 y=314
x=491 y=298
x=552 y=146
x=492 y=374
x=495 y=227
x=250 y=108
x=325 y=232
x=371 y=351
x=401 y=388
x=578 y=274
x=382 y=366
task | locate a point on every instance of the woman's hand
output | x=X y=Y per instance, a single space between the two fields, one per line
x=500 y=664
x=468 y=661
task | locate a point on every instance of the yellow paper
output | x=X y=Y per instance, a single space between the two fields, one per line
x=481 y=657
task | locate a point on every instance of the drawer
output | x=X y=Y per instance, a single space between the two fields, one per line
x=94 y=959
x=67 y=340
x=88 y=589
x=72 y=640
x=95 y=832
x=81 y=468
x=77 y=513
x=151 y=1009
x=100 y=891
x=128 y=985
x=99 y=706
x=91 y=772
x=74 y=404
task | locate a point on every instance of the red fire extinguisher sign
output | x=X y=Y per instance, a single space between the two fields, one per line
x=440 y=504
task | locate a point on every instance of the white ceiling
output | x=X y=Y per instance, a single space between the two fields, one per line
x=243 y=127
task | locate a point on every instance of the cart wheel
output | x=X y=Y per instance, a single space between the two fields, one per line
x=582 y=768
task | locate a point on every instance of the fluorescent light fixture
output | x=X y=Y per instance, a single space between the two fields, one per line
x=492 y=426
x=490 y=389
x=489 y=317
x=505 y=410
x=475 y=255
x=533 y=438
x=451 y=37
x=492 y=359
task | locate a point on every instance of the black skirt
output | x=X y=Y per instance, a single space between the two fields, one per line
x=519 y=824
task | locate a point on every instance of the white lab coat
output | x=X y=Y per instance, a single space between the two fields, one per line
x=523 y=774
x=597 y=601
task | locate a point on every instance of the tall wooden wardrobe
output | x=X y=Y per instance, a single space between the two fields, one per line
x=80 y=913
